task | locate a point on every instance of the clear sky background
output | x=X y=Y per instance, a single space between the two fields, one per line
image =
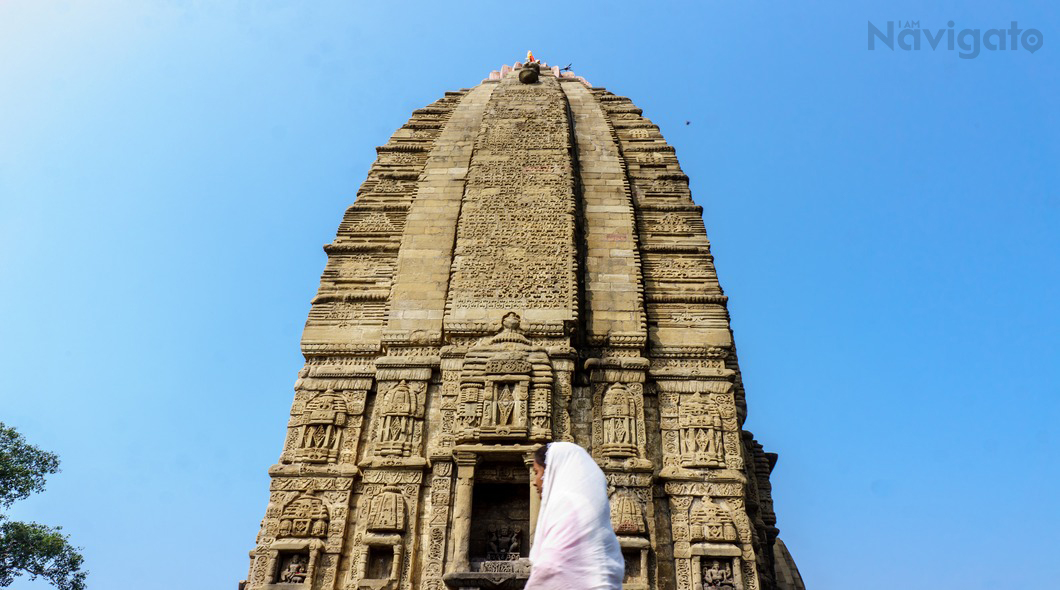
x=884 y=222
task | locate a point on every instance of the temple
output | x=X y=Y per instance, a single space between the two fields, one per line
x=523 y=264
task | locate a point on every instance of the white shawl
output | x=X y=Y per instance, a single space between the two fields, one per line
x=574 y=547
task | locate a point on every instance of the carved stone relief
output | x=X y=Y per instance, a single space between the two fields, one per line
x=405 y=458
x=505 y=388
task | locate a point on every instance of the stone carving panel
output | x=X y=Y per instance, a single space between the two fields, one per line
x=627 y=513
x=701 y=432
x=505 y=387
x=388 y=511
x=323 y=422
x=399 y=417
x=620 y=423
x=304 y=517
x=718 y=574
x=515 y=237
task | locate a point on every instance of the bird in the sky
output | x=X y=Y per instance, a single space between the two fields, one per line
x=566 y=69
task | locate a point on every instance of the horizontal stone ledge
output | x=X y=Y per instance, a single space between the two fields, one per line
x=338 y=248
x=666 y=207
x=351 y=297
x=686 y=298
x=677 y=248
x=297 y=469
x=408 y=146
x=685 y=373
x=716 y=550
x=645 y=147
x=317 y=348
x=415 y=361
x=375 y=207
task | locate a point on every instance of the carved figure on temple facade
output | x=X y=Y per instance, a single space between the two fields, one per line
x=627 y=516
x=395 y=427
x=619 y=422
x=503 y=544
x=717 y=576
x=322 y=424
x=710 y=522
x=304 y=517
x=701 y=432
x=505 y=386
x=387 y=511
x=515 y=543
x=296 y=571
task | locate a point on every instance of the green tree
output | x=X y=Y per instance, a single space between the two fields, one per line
x=28 y=547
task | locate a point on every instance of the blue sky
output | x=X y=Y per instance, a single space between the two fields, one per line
x=883 y=221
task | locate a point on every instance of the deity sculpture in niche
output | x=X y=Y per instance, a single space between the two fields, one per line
x=304 y=517
x=397 y=414
x=619 y=422
x=387 y=512
x=322 y=422
x=701 y=432
x=505 y=387
x=718 y=575
x=504 y=544
x=295 y=570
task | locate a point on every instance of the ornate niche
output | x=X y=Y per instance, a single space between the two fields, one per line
x=295 y=556
x=701 y=432
x=324 y=432
x=627 y=518
x=618 y=433
x=627 y=514
x=400 y=410
x=505 y=388
x=293 y=567
x=710 y=522
x=388 y=512
x=305 y=516
x=718 y=573
x=322 y=424
x=619 y=423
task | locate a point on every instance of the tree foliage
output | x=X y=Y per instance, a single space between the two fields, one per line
x=27 y=547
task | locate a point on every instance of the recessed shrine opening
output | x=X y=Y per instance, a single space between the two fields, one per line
x=292 y=567
x=500 y=514
x=380 y=562
x=633 y=573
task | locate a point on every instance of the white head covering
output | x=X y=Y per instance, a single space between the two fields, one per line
x=574 y=547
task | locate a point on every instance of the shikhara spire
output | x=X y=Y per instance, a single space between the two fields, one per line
x=523 y=264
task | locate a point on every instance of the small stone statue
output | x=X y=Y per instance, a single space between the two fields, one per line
x=515 y=545
x=718 y=577
x=530 y=73
x=295 y=572
x=493 y=541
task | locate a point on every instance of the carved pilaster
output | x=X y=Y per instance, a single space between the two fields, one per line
x=461 y=536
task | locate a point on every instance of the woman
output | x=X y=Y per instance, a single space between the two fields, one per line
x=574 y=547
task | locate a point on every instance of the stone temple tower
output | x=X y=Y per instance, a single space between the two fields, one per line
x=523 y=264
